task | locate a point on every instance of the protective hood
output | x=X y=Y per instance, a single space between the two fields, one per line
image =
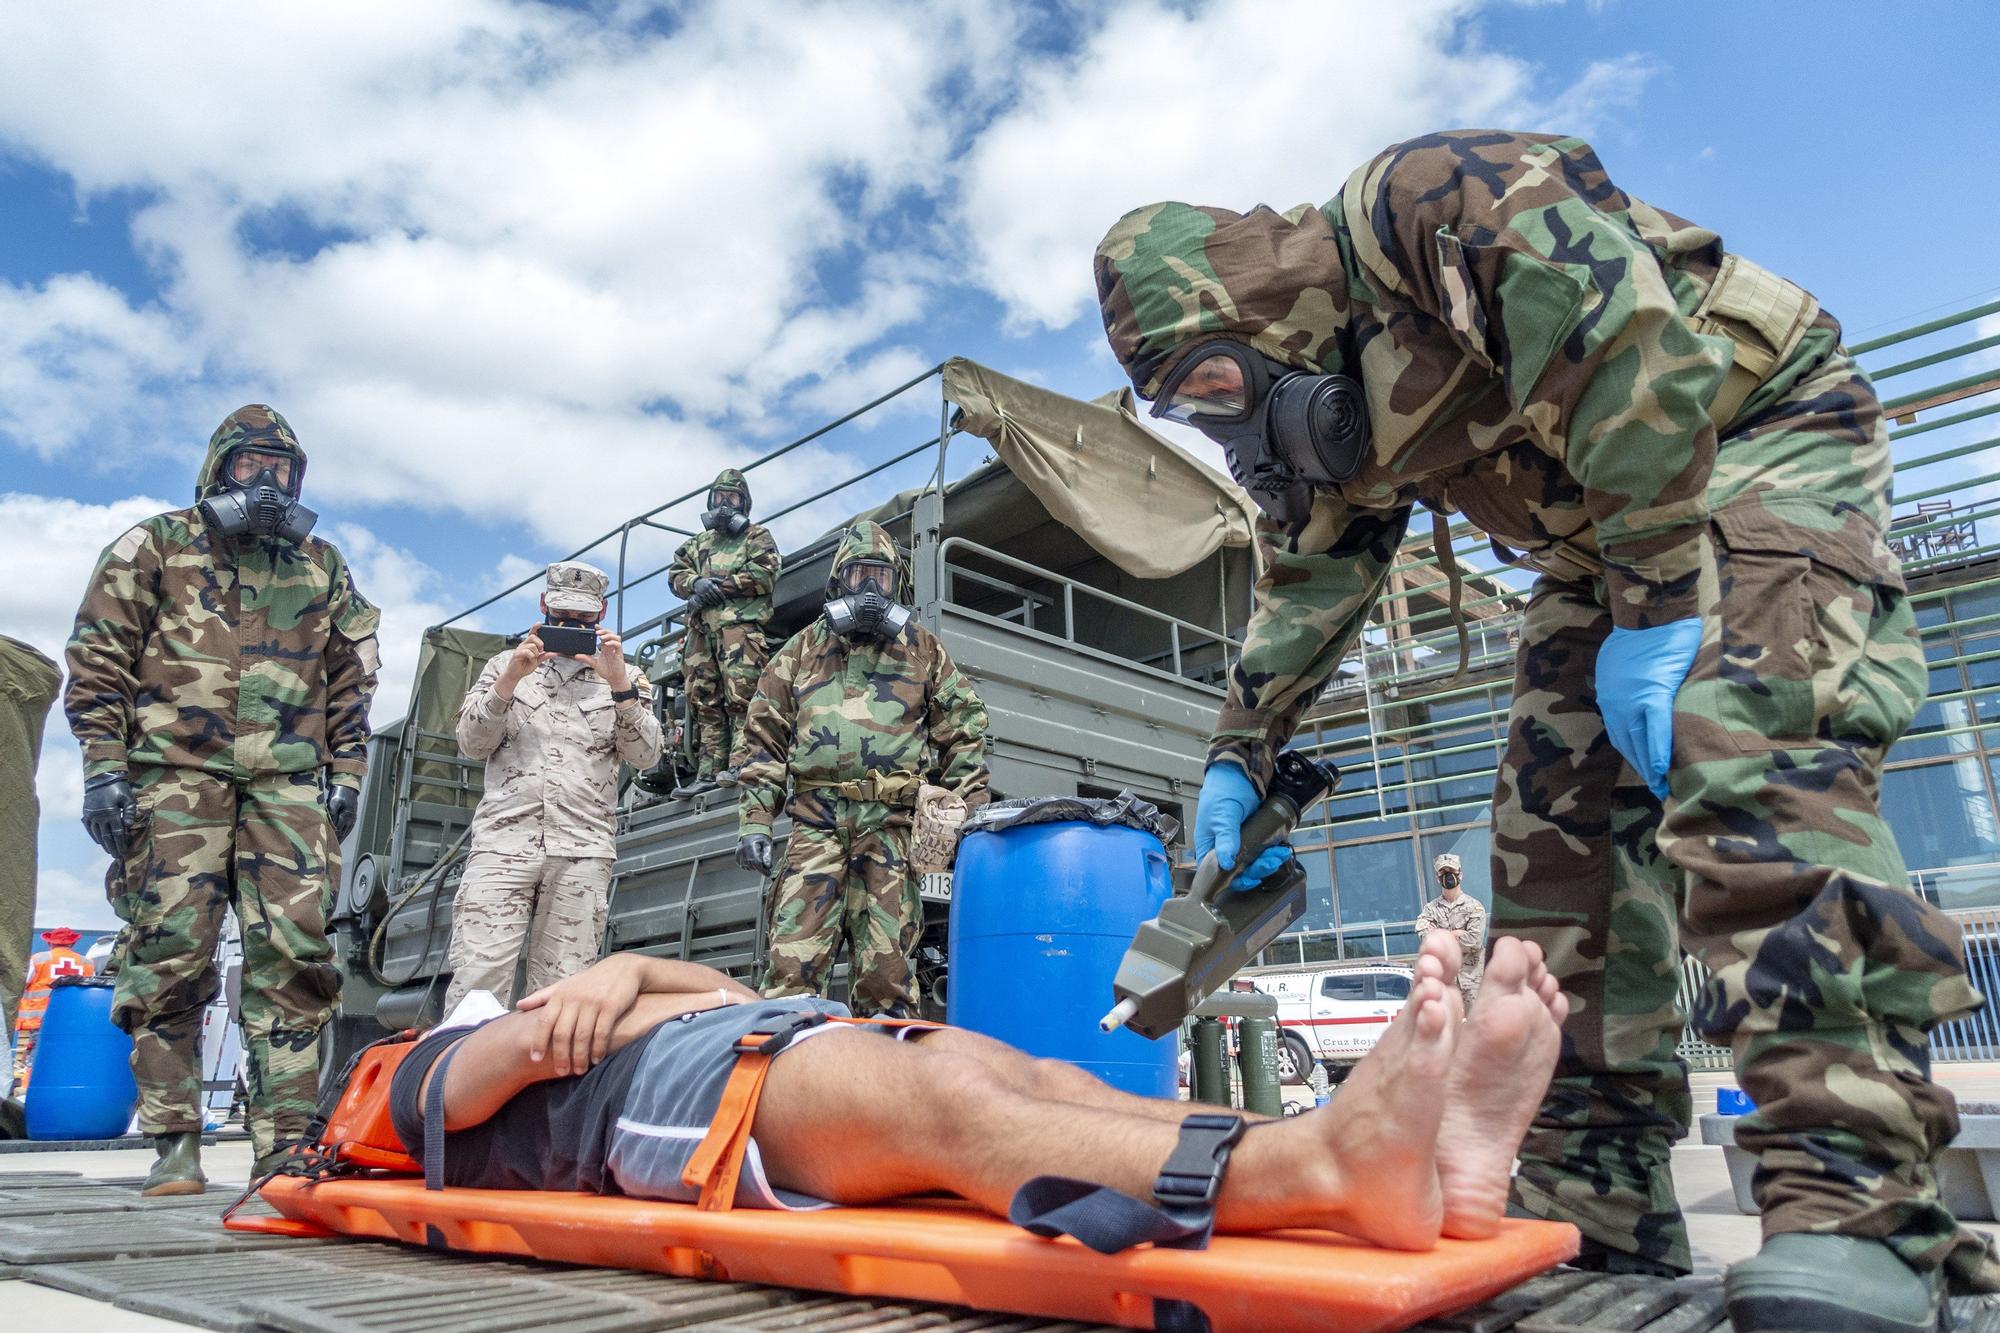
x=1170 y=275
x=256 y=425
x=731 y=479
x=869 y=612
x=868 y=541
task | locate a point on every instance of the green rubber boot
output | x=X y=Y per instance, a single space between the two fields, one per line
x=269 y=1162
x=1805 y=1283
x=179 y=1169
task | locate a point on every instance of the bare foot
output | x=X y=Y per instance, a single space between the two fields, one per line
x=1382 y=1129
x=1506 y=1052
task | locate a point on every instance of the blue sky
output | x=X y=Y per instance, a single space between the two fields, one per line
x=516 y=270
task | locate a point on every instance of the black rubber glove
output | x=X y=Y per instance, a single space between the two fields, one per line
x=753 y=852
x=109 y=811
x=342 y=805
x=707 y=592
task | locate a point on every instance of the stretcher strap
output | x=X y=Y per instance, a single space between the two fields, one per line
x=717 y=1162
x=434 y=1136
x=1109 y=1221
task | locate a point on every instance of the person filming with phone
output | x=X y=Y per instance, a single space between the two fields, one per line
x=552 y=718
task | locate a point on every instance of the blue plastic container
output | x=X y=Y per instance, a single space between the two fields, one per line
x=81 y=1087
x=1733 y=1101
x=1040 y=916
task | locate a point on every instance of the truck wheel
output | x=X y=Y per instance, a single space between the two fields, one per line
x=1295 y=1059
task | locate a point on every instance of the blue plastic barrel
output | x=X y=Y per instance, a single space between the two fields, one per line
x=1040 y=916
x=81 y=1087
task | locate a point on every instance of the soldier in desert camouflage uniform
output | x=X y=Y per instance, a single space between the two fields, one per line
x=1460 y=913
x=1676 y=439
x=552 y=731
x=856 y=711
x=726 y=573
x=219 y=680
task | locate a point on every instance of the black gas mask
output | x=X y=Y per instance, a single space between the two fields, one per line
x=257 y=495
x=728 y=512
x=861 y=601
x=1284 y=431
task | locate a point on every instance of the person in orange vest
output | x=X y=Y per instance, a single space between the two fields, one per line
x=58 y=960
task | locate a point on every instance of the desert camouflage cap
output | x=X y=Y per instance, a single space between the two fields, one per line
x=1169 y=275
x=575 y=586
x=1446 y=861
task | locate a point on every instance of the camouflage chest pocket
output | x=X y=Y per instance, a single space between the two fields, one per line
x=1818 y=642
x=599 y=715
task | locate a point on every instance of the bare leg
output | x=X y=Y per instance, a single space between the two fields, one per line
x=912 y=1118
x=1517 y=1025
x=1058 y=1080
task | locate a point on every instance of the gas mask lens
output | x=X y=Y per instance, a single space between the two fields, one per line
x=1212 y=384
x=245 y=465
x=858 y=574
x=730 y=500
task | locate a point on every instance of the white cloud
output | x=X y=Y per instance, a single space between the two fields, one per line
x=74 y=358
x=1210 y=105
x=66 y=898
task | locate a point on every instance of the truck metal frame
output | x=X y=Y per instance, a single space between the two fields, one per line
x=1095 y=681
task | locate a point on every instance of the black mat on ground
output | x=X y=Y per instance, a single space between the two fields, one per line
x=55 y=1238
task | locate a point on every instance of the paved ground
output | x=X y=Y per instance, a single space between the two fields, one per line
x=1721 y=1233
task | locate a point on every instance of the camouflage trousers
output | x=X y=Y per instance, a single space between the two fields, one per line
x=851 y=881
x=1769 y=862
x=205 y=844
x=721 y=667
x=509 y=904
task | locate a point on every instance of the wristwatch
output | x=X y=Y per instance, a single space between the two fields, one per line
x=629 y=692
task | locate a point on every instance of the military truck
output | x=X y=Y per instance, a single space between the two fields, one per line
x=1091 y=577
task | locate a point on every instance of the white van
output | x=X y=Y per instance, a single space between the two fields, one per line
x=1333 y=1014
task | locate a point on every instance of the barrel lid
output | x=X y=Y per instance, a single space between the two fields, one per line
x=1127 y=809
x=60 y=982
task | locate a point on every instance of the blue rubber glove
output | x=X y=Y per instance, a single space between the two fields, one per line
x=1227 y=799
x=1639 y=671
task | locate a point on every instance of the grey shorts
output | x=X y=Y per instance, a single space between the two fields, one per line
x=676 y=1090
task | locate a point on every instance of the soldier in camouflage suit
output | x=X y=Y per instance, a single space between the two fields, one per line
x=727 y=573
x=856 y=721
x=1678 y=442
x=219 y=682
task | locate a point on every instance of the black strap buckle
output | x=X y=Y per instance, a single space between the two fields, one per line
x=778 y=1033
x=1192 y=1176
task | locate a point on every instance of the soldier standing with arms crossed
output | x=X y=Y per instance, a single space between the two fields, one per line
x=552 y=731
x=219 y=681
x=856 y=711
x=726 y=573
x=1713 y=664
x=1460 y=913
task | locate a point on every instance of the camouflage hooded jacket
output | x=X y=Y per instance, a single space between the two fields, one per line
x=1538 y=349
x=239 y=658
x=831 y=710
x=747 y=566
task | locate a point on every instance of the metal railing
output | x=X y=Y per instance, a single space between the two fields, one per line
x=1067 y=592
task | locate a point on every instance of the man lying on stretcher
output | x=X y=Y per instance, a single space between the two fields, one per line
x=606 y=1082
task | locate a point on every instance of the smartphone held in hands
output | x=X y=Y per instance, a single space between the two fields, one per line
x=567 y=640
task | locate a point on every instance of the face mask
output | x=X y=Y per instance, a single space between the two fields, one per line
x=260 y=508
x=1449 y=879
x=728 y=512
x=1283 y=431
x=867 y=614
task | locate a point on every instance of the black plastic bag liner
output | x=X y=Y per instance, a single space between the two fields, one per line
x=1126 y=808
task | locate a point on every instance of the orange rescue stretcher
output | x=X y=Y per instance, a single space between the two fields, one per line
x=922 y=1250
